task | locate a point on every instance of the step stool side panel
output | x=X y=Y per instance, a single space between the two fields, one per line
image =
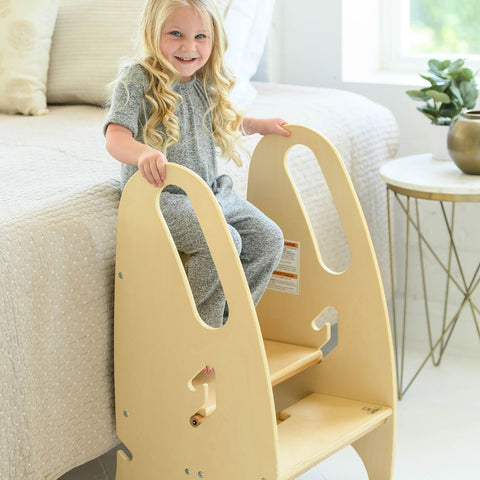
x=161 y=344
x=361 y=367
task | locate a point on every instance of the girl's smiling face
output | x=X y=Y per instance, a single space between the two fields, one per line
x=186 y=41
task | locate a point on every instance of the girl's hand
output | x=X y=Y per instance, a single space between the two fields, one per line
x=151 y=164
x=265 y=126
x=122 y=146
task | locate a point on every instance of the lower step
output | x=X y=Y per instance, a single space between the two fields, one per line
x=318 y=425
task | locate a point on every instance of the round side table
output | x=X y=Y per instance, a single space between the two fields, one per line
x=409 y=179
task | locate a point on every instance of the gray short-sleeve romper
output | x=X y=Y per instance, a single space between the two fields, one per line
x=258 y=239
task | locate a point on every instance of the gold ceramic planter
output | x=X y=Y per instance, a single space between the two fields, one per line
x=464 y=142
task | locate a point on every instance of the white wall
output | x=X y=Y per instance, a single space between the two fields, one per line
x=308 y=51
x=309 y=45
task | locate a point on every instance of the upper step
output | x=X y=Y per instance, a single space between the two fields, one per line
x=286 y=360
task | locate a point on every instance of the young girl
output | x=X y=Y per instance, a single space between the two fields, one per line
x=173 y=106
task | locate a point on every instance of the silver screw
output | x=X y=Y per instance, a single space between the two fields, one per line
x=120 y=275
x=125 y=413
x=187 y=471
x=200 y=474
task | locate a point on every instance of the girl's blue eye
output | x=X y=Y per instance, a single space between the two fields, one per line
x=176 y=34
x=201 y=36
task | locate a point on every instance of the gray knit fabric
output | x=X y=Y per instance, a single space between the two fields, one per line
x=195 y=149
x=258 y=239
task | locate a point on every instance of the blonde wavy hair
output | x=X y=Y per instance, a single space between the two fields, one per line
x=214 y=76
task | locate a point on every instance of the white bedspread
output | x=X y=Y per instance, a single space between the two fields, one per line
x=58 y=200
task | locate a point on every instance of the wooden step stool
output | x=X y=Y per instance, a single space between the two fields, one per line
x=273 y=408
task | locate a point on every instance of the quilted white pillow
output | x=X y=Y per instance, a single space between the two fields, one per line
x=26 y=28
x=89 y=40
x=91 y=37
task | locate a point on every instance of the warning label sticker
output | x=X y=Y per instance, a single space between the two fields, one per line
x=286 y=277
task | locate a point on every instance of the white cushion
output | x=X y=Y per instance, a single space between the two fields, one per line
x=247 y=24
x=26 y=28
x=89 y=40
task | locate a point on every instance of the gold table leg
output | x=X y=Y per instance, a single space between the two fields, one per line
x=436 y=347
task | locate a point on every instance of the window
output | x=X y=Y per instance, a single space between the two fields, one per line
x=415 y=30
x=449 y=26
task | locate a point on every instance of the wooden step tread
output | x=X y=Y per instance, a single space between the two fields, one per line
x=286 y=360
x=318 y=426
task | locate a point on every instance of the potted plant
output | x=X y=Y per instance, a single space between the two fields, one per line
x=452 y=89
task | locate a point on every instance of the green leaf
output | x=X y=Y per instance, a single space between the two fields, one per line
x=469 y=92
x=417 y=94
x=441 y=87
x=444 y=65
x=456 y=65
x=438 y=96
x=465 y=74
x=455 y=91
x=434 y=64
x=435 y=80
x=448 y=110
x=437 y=67
x=428 y=113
